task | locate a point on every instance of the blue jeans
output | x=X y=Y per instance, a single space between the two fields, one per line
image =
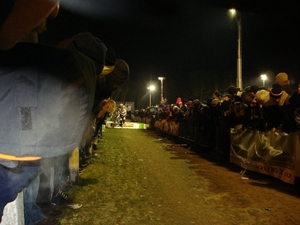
x=32 y=211
x=13 y=180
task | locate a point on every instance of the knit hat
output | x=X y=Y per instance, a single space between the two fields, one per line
x=276 y=91
x=263 y=96
x=91 y=47
x=282 y=79
x=120 y=73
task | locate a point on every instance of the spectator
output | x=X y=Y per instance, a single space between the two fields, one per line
x=253 y=90
x=283 y=80
x=59 y=76
x=225 y=104
x=216 y=95
x=274 y=108
x=235 y=93
x=108 y=106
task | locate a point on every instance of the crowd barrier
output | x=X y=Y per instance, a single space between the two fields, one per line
x=273 y=153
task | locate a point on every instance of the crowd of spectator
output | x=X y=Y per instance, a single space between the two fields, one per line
x=254 y=107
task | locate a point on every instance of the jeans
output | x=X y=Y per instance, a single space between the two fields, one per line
x=55 y=173
x=32 y=212
x=13 y=180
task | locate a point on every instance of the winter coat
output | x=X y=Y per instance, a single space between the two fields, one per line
x=46 y=97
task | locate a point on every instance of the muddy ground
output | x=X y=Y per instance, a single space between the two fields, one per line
x=138 y=177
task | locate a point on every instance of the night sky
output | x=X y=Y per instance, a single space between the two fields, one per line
x=191 y=43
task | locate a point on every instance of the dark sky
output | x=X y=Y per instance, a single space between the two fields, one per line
x=177 y=38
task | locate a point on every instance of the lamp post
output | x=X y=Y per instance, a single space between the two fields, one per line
x=237 y=15
x=161 y=87
x=151 y=88
x=263 y=77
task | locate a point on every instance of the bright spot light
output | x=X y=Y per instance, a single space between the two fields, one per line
x=232 y=12
x=263 y=76
x=151 y=87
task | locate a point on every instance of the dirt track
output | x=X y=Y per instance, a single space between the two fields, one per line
x=138 y=178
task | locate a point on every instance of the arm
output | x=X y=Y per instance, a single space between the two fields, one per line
x=25 y=15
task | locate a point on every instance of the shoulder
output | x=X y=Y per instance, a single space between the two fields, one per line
x=45 y=56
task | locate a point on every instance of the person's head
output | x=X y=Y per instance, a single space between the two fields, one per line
x=15 y=12
x=102 y=55
x=262 y=96
x=232 y=90
x=226 y=97
x=282 y=79
x=216 y=95
x=246 y=97
x=253 y=89
x=89 y=46
x=120 y=73
x=41 y=27
x=276 y=92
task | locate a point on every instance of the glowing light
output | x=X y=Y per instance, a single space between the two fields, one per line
x=232 y=12
x=264 y=78
x=151 y=87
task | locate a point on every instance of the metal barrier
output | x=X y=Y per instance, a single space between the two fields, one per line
x=223 y=143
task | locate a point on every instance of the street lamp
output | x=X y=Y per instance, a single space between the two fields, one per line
x=263 y=77
x=237 y=15
x=161 y=87
x=151 y=88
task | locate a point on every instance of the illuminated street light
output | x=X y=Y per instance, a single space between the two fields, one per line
x=237 y=15
x=150 y=88
x=161 y=87
x=263 y=77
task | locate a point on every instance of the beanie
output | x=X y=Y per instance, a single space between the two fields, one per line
x=282 y=79
x=276 y=90
x=262 y=96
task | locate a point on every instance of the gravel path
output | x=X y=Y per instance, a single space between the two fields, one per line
x=139 y=178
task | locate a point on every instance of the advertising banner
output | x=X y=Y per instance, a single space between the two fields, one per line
x=169 y=127
x=272 y=153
